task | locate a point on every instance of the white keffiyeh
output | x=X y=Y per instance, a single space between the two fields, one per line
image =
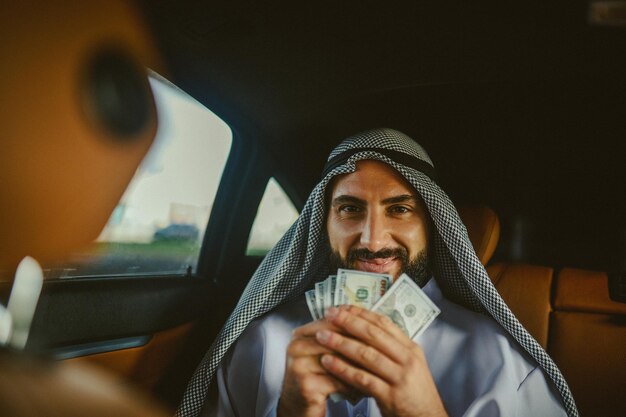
x=301 y=257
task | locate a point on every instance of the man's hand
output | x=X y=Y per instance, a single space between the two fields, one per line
x=368 y=352
x=307 y=384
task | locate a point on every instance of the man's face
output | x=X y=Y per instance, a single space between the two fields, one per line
x=377 y=222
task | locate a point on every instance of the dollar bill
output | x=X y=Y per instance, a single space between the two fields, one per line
x=329 y=295
x=360 y=288
x=310 y=302
x=407 y=306
x=320 y=293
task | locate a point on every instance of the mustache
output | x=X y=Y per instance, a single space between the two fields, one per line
x=417 y=268
x=364 y=253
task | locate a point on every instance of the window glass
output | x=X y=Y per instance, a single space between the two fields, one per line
x=275 y=215
x=158 y=225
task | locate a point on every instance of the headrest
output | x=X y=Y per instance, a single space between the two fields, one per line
x=76 y=117
x=585 y=291
x=483 y=228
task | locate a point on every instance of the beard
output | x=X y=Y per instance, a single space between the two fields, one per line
x=417 y=267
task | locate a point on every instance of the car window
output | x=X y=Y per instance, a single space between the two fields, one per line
x=159 y=223
x=276 y=213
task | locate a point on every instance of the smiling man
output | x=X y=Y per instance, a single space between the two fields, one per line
x=377 y=208
x=377 y=223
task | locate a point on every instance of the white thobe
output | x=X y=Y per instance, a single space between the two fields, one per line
x=479 y=369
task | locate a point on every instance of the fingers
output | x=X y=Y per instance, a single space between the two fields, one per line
x=379 y=320
x=309 y=329
x=367 y=357
x=305 y=346
x=399 y=399
x=305 y=393
x=372 y=329
x=335 y=385
x=311 y=369
x=303 y=356
x=352 y=376
x=307 y=384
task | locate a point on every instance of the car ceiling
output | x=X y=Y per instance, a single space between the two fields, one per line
x=520 y=104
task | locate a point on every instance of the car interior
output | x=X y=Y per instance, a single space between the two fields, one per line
x=520 y=105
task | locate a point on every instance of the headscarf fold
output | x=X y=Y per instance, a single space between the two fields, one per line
x=301 y=256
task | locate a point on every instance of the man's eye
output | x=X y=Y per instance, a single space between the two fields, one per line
x=399 y=209
x=349 y=209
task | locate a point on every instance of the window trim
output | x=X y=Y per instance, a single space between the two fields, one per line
x=238 y=195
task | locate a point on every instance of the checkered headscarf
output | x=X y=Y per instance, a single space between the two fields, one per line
x=301 y=256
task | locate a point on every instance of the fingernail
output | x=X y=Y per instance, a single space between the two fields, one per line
x=331 y=312
x=322 y=336
x=326 y=360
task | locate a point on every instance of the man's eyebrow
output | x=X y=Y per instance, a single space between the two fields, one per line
x=349 y=199
x=402 y=199
x=343 y=199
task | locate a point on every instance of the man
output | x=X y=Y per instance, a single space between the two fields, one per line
x=377 y=208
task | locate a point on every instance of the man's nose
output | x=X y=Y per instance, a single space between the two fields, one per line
x=375 y=234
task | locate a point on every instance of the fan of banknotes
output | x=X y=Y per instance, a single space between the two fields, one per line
x=402 y=301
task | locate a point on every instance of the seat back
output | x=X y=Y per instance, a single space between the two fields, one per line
x=588 y=341
x=573 y=318
x=526 y=290
x=570 y=315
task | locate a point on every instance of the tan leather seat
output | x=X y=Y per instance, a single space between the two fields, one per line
x=68 y=153
x=571 y=316
x=526 y=290
x=483 y=228
x=588 y=341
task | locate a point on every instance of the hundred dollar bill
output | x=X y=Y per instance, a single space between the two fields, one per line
x=407 y=306
x=360 y=288
x=320 y=292
x=329 y=295
x=310 y=302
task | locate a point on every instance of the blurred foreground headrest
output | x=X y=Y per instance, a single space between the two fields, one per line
x=76 y=117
